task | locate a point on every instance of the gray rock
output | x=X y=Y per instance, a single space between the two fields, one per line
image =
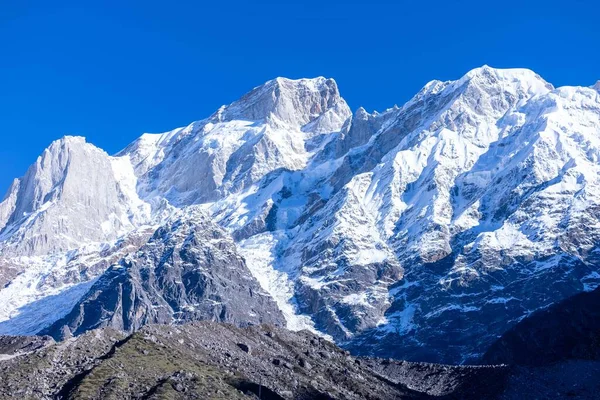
x=159 y=361
x=189 y=270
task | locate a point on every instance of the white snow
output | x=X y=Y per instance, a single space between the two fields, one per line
x=28 y=305
x=258 y=252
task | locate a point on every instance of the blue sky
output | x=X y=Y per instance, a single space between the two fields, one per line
x=111 y=70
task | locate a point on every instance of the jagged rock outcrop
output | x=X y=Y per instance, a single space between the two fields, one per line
x=189 y=270
x=14 y=346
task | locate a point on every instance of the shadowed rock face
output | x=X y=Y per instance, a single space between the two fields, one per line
x=189 y=270
x=16 y=345
x=555 y=352
x=567 y=330
x=210 y=360
x=467 y=327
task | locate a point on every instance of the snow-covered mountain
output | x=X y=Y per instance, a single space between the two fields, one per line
x=422 y=232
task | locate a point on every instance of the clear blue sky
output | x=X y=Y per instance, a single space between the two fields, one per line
x=111 y=70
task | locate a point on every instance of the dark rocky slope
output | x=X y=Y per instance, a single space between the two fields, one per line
x=188 y=270
x=209 y=360
x=205 y=360
x=555 y=352
x=566 y=330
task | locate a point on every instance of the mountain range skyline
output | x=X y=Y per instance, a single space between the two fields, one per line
x=401 y=233
x=123 y=141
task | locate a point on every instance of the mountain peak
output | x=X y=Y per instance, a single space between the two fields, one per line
x=486 y=70
x=303 y=82
x=72 y=138
x=293 y=101
x=80 y=192
x=597 y=86
x=361 y=113
x=517 y=80
x=67 y=140
x=488 y=73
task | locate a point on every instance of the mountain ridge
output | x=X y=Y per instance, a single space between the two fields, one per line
x=372 y=228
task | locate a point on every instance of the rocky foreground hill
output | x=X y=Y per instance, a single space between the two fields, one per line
x=208 y=360
x=211 y=360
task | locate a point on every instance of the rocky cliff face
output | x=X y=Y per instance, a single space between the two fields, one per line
x=189 y=270
x=73 y=193
x=423 y=232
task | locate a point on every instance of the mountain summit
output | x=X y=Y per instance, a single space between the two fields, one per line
x=293 y=102
x=423 y=232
